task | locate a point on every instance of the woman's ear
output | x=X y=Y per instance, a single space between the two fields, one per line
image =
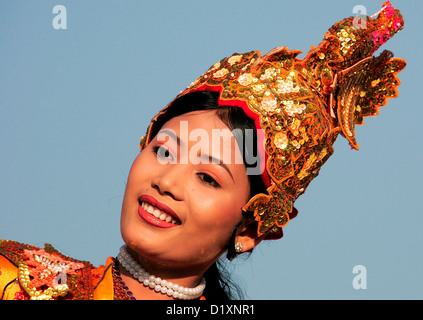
x=246 y=237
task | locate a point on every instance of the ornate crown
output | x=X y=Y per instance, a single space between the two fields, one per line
x=303 y=104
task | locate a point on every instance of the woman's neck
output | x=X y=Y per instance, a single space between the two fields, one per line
x=142 y=292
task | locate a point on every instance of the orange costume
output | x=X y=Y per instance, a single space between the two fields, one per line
x=301 y=105
x=28 y=272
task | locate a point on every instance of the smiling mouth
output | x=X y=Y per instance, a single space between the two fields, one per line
x=159 y=214
x=156 y=213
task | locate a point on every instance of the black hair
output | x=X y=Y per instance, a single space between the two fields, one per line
x=219 y=286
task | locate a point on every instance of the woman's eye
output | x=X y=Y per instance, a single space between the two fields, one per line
x=207 y=179
x=163 y=153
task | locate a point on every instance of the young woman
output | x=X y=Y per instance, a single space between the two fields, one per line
x=221 y=167
x=190 y=202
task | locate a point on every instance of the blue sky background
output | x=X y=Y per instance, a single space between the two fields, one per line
x=74 y=103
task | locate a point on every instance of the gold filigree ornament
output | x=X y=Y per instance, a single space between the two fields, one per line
x=304 y=104
x=43 y=275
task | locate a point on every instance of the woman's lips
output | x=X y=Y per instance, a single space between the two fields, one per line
x=156 y=213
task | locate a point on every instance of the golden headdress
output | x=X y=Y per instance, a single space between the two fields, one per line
x=303 y=104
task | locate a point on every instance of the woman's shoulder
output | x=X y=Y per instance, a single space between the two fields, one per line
x=30 y=272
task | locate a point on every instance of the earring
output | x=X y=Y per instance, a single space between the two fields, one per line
x=238 y=247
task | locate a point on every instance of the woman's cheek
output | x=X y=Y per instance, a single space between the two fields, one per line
x=219 y=213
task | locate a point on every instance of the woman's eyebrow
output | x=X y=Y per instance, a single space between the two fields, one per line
x=220 y=163
x=172 y=134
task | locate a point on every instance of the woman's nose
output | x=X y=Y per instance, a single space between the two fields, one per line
x=170 y=181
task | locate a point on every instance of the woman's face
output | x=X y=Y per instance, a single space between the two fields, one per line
x=184 y=194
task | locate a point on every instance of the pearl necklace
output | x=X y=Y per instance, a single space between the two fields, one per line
x=159 y=285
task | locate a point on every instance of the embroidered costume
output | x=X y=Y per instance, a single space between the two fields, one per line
x=28 y=272
x=302 y=105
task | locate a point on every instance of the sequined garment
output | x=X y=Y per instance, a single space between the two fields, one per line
x=30 y=273
x=304 y=104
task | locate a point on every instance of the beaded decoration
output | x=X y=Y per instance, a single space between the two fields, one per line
x=120 y=289
x=46 y=274
x=41 y=269
x=304 y=104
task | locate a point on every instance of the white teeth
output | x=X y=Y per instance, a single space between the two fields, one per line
x=157 y=213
